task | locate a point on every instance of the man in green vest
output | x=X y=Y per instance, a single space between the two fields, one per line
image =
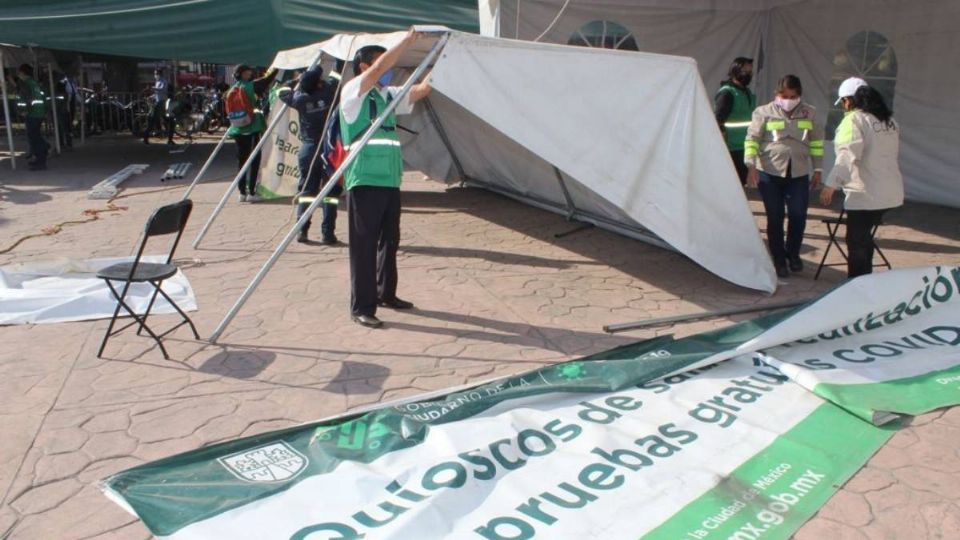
x=733 y=105
x=373 y=180
x=33 y=97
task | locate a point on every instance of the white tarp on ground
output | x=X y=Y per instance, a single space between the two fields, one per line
x=632 y=136
x=69 y=290
x=901 y=46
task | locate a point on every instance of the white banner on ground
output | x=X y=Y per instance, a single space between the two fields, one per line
x=279 y=167
x=69 y=290
x=698 y=438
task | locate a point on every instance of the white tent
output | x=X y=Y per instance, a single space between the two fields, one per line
x=623 y=140
x=905 y=48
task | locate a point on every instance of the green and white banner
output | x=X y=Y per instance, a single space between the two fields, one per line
x=741 y=433
x=279 y=167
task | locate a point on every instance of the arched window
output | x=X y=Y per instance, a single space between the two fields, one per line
x=867 y=55
x=606 y=34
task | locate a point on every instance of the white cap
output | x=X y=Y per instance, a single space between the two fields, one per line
x=849 y=87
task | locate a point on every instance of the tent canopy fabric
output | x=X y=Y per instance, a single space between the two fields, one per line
x=902 y=47
x=216 y=31
x=632 y=146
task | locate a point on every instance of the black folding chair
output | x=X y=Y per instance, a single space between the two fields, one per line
x=833 y=227
x=168 y=219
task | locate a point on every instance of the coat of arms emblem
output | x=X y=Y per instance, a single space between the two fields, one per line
x=274 y=462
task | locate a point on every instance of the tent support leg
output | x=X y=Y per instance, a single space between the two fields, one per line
x=572 y=210
x=327 y=188
x=578 y=228
x=213 y=155
x=246 y=165
x=53 y=107
x=622 y=327
x=435 y=119
x=83 y=105
x=636 y=233
x=6 y=116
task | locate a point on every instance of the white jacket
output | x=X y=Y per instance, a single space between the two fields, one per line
x=867 y=168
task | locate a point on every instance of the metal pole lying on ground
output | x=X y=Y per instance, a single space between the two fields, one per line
x=6 y=115
x=247 y=164
x=206 y=166
x=351 y=157
x=622 y=327
x=53 y=107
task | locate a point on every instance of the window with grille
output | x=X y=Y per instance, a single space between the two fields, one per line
x=870 y=56
x=605 y=34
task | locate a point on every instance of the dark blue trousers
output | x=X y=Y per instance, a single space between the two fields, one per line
x=38 y=145
x=792 y=194
x=311 y=179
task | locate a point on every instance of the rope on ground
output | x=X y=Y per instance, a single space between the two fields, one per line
x=92 y=214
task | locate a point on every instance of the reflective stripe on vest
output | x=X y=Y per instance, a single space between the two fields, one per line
x=375 y=142
x=805 y=124
x=741 y=111
x=816 y=148
x=751 y=148
x=775 y=125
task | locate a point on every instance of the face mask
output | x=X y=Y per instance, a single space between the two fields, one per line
x=787 y=104
x=385 y=79
x=745 y=79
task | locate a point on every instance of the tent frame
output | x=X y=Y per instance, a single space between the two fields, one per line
x=341 y=170
x=6 y=115
x=246 y=165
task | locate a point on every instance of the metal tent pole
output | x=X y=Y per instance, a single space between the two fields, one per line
x=206 y=166
x=6 y=114
x=247 y=164
x=435 y=120
x=83 y=105
x=351 y=157
x=53 y=107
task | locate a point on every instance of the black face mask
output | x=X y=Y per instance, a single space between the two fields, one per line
x=744 y=79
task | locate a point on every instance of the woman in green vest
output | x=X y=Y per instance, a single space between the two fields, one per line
x=733 y=106
x=247 y=137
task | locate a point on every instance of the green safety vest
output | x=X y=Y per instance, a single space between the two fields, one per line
x=34 y=99
x=380 y=162
x=739 y=120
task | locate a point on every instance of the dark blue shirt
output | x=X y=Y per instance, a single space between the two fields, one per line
x=313 y=108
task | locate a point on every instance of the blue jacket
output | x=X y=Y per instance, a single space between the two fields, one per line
x=312 y=100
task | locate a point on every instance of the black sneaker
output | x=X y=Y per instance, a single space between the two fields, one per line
x=796 y=264
x=781 y=267
x=329 y=240
x=302 y=238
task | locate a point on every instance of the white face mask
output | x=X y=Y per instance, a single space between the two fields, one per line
x=787 y=104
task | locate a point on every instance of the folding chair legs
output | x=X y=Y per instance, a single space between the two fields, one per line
x=833 y=227
x=180 y=311
x=141 y=321
x=153 y=298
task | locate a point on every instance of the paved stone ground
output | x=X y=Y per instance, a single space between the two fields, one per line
x=496 y=292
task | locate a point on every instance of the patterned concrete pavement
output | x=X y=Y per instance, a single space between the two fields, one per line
x=496 y=292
